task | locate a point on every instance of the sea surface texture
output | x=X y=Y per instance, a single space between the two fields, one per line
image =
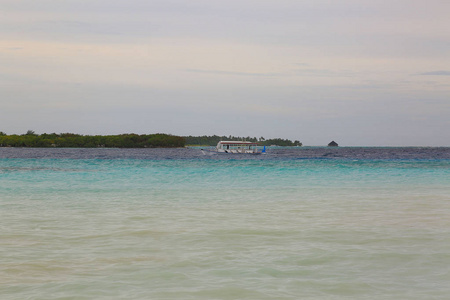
x=295 y=223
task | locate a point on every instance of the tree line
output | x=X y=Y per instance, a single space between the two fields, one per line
x=214 y=139
x=72 y=140
x=129 y=140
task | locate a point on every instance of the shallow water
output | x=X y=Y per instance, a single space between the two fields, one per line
x=297 y=223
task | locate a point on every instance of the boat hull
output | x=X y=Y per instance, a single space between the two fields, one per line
x=213 y=152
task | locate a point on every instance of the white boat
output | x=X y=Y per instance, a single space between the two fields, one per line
x=235 y=147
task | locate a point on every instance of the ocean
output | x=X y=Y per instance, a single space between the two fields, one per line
x=295 y=223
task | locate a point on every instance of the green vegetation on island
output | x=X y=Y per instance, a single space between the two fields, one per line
x=72 y=140
x=214 y=139
x=129 y=140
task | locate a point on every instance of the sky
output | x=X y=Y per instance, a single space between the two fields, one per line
x=360 y=72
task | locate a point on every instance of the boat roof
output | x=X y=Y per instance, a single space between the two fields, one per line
x=237 y=142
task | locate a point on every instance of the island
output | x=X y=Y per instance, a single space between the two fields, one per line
x=127 y=140
x=333 y=144
x=72 y=140
x=214 y=139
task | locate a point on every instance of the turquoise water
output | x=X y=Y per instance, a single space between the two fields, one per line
x=82 y=225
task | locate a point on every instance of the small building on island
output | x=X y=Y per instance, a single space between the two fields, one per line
x=333 y=144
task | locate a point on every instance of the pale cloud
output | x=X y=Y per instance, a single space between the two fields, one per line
x=437 y=73
x=221 y=72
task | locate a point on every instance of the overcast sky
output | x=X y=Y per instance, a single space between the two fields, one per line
x=360 y=72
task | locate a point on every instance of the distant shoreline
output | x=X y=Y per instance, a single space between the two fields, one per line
x=128 y=140
x=158 y=140
x=71 y=140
